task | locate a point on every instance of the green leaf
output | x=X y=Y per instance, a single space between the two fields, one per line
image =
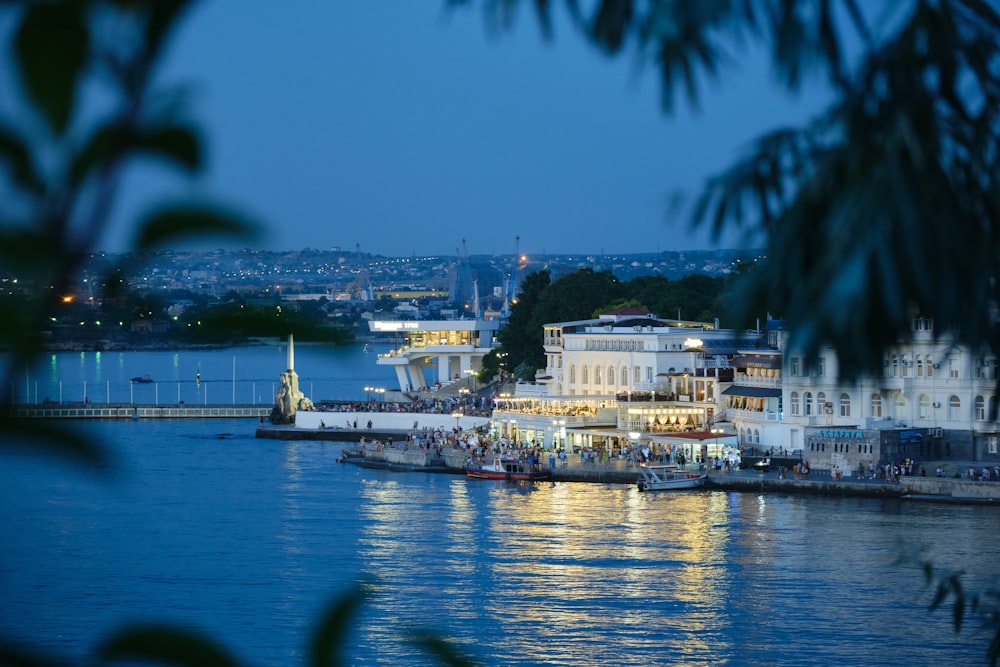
x=52 y=46
x=16 y=152
x=335 y=624
x=165 y=644
x=445 y=651
x=51 y=438
x=172 y=223
x=177 y=144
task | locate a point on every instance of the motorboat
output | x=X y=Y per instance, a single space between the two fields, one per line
x=507 y=468
x=142 y=379
x=666 y=477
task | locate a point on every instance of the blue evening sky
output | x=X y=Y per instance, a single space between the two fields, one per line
x=405 y=127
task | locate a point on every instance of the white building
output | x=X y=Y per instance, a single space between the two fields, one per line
x=933 y=399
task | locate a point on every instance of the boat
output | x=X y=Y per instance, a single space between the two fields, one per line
x=664 y=477
x=143 y=379
x=507 y=468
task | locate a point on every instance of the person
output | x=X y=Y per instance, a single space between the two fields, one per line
x=369 y=424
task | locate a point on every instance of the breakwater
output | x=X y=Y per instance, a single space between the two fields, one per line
x=135 y=411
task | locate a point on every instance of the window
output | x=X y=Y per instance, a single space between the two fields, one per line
x=980 y=409
x=845 y=405
x=992 y=444
x=821 y=366
x=895 y=366
x=906 y=367
x=924 y=407
x=756 y=436
x=876 y=405
x=807 y=403
x=611 y=376
x=795 y=403
x=794 y=370
x=920 y=366
x=821 y=406
x=597 y=375
x=993 y=409
x=635 y=374
x=584 y=376
x=900 y=407
x=954 y=408
x=930 y=366
x=953 y=367
x=649 y=374
x=572 y=374
x=625 y=376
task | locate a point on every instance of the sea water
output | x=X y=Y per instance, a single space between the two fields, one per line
x=199 y=524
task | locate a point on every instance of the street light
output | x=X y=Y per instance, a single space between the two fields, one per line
x=469 y=371
x=368 y=393
x=380 y=392
x=458 y=416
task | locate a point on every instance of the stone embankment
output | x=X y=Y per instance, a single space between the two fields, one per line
x=750 y=481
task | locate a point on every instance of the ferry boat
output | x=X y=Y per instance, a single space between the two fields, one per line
x=665 y=477
x=508 y=469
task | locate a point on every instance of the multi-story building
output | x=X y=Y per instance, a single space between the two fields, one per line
x=631 y=377
x=933 y=399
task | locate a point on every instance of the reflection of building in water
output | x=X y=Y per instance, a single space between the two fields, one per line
x=458 y=347
x=626 y=378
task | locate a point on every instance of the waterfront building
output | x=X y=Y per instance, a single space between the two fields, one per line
x=932 y=399
x=452 y=350
x=627 y=378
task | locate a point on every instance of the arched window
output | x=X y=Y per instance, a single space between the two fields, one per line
x=756 y=436
x=895 y=366
x=624 y=375
x=845 y=405
x=993 y=408
x=920 y=366
x=572 y=374
x=795 y=403
x=597 y=375
x=611 y=376
x=876 y=405
x=954 y=408
x=924 y=407
x=821 y=403
x=584 y=376
x=930 y=366
x=980 y=409
x=807 y=403
x=900 y=407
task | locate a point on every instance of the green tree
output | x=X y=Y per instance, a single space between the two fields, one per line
x=520 y=340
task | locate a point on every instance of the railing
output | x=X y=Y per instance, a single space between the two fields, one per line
x=754 y=415
x=757 y=381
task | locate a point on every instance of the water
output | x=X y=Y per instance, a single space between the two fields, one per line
x=202 y=525
x=226 y=376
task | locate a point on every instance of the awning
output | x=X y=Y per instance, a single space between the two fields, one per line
x=753 y=392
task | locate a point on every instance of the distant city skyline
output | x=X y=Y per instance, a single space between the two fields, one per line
x=407 y=128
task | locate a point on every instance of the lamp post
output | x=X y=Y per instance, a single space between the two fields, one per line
x=458 y=417
x=472 y=374
x=380 y=393
x=368 y=393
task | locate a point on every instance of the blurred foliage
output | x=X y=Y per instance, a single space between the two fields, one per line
x=983 y=605
x=63 y=157
x=884 y=206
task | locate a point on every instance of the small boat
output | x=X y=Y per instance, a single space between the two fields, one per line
x=507 y=468
x=661 y=478
x=143 y=379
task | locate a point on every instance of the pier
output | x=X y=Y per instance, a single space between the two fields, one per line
x=136 y=411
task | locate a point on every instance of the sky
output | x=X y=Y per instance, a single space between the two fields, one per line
x=405 y=128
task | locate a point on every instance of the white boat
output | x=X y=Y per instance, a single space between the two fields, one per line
x=664 y=477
